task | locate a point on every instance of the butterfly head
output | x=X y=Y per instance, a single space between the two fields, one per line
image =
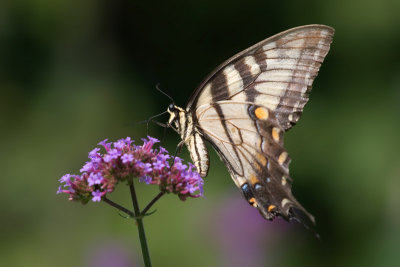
x=174 y=113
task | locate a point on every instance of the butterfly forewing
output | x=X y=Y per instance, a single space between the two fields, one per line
x=277 y=73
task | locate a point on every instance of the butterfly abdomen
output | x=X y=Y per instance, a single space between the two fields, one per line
x=199 y=153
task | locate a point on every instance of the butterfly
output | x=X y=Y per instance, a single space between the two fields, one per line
x=244 y=107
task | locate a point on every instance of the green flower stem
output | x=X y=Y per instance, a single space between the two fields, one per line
x=139 y=222
x=151 y=203
x=115 y=205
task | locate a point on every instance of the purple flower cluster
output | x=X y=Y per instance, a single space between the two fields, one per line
x=123 y=159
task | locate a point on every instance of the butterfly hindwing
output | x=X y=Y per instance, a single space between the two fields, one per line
x=249 y=139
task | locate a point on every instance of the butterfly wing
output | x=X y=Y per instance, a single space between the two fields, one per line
x=249 y=140
x=244 y=107
x=277 y=72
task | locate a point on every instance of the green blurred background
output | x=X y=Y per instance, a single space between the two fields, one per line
x=75 y=72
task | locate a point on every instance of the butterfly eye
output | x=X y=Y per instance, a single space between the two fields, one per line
x=171 y=107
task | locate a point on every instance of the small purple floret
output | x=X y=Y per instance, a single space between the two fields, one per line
x=94 y=178
x=158 y=165
x=106 y=145
x=153 y=140
x=87 y=167
x=59 y=191
x=65 y=179
x=119 y=145
x=127 y=158
x=97 y=196
x=145 y=179
x=94 y=153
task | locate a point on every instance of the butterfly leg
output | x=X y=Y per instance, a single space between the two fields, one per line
x=179 y=148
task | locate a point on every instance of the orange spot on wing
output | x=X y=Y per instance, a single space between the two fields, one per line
x=252 y=202
x=271 y=208
x=253 y=179
x=261 y=113
x=262 y=159
x=275 y=134
x=282 y=157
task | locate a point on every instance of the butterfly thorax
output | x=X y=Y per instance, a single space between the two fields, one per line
x=182 y=122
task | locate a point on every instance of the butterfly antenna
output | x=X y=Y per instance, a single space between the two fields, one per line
x=161 y=91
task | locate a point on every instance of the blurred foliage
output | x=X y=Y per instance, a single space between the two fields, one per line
x=75 y=72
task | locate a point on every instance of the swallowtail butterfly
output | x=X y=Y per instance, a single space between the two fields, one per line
x=244 y=107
